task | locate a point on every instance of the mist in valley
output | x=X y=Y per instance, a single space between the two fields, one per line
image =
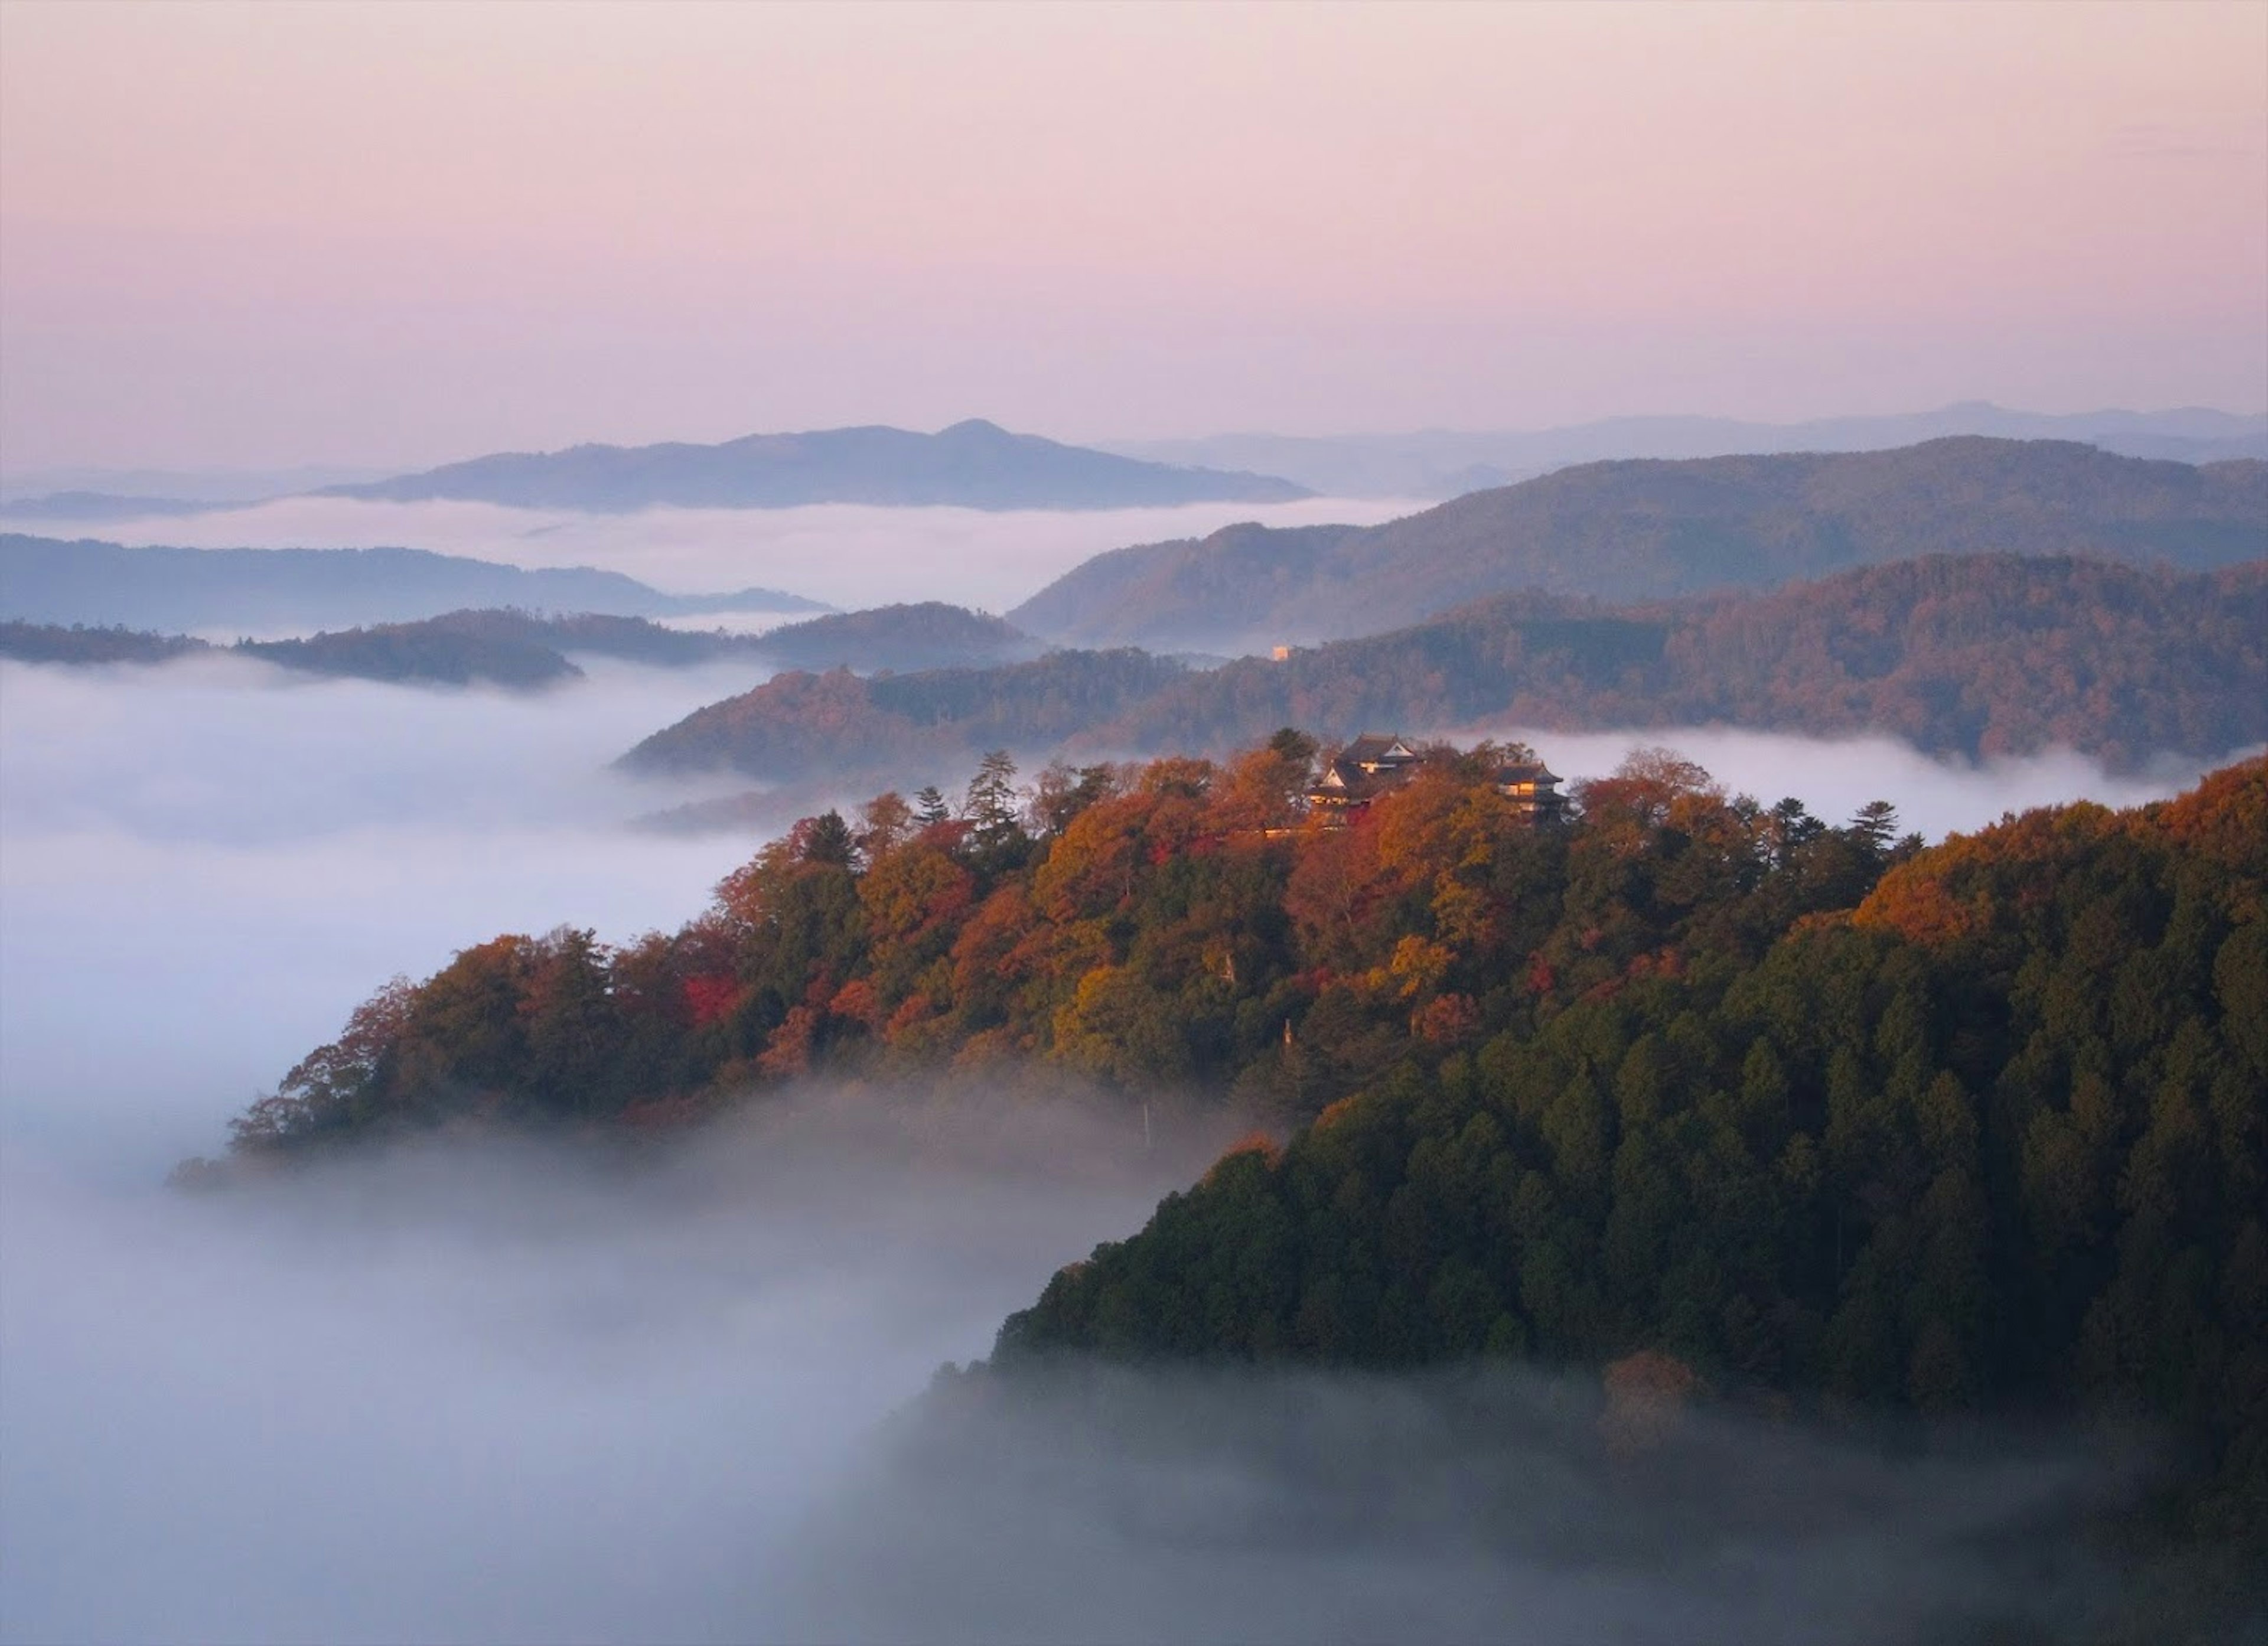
x=1835 y=776
x=623 y=1375
x=489 y=1390
x=848 y=554
x=498 y=1393
x=473 y=1391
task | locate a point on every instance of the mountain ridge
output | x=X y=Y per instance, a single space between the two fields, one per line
x=1963 y=656
x=1442 y=463
x=1648 y=528
x=971 y=464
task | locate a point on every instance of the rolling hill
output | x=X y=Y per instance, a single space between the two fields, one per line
x=1962 y=655
x=1647 y=529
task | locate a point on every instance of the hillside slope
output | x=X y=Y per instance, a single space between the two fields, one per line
x=1998 y=1140
x=799 y=722
x=921 y=634
x=1965 y=656
x=1971 y=657
x=1643 y=530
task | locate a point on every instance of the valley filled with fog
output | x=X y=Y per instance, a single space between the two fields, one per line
x=495 y=1393
x=708 y=929
x=492 y=1396
x=847 y=554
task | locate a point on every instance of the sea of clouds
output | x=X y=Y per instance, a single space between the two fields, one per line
x=501 y=1395
x=847 y=554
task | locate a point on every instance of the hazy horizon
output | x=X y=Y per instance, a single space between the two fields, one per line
x=278 y=479
x=241 y=236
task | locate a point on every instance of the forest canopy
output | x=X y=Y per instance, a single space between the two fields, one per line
x=1803 y=1105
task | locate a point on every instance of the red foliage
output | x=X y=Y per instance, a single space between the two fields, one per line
x=712 y=999
x=1449 y=1020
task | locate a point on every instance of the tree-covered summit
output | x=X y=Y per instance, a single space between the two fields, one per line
x=1796 y=1109
x=1184 y=922
x=1995 y=1138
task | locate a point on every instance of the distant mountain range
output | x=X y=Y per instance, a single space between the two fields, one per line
x=1647 y=529
x=974 y=465
x=1445 y=463
x=49 y=580
x=1967 y=656
x=978 y=465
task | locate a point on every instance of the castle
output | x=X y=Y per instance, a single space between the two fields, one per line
x=1376 y=764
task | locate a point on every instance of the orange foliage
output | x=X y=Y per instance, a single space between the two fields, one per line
x=2225 y=817
x=788 y=1054
x=856 y=1000
x=1913 y=902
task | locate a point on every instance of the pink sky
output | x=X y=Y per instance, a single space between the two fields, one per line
x=396 y=233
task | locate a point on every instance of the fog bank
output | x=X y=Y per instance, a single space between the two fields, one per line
x=848 y=554
x=501 y=1390
x=493 y=1392
x=1096 y=1503
x=502 y=1393
x=208 y=865
x=1835 y=776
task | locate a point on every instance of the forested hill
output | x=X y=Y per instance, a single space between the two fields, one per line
x=924 y=635
x=974 y=465
x=1792 y=1107
x=802 y=722
x=1971 y=657
x=1996 y=1139
x=1642 y=529
x=1163 y=923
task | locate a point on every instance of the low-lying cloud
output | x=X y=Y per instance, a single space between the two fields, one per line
x=848 y=554
x=1117 y=1503
x=496 y=1392
x=500 y=1390
x=1834 y=778
x=208 y=865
